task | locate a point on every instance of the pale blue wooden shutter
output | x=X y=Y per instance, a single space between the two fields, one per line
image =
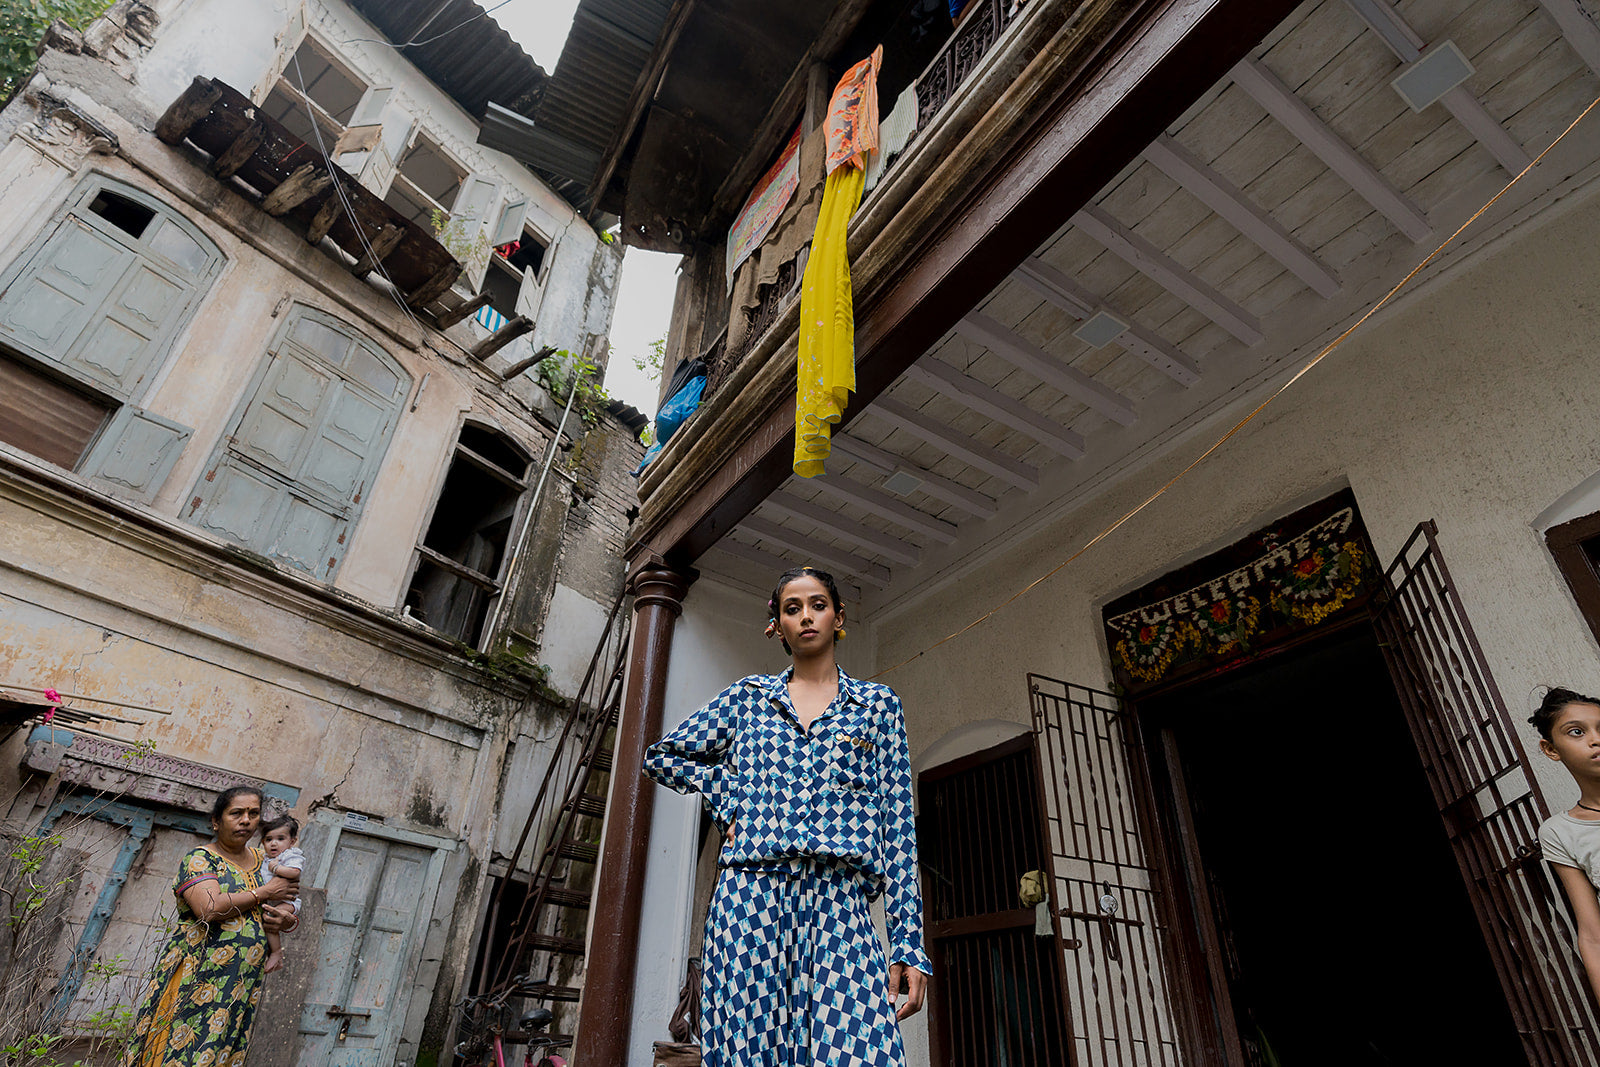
x=102 y=303
x=290 y=479
x=135 y=453
x=61 y=289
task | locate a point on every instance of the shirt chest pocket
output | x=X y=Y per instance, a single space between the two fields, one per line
x=853 y=757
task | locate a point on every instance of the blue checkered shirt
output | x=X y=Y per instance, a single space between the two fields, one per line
x=841 y=789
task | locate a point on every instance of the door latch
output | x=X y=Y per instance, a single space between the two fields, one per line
x=345 y=1017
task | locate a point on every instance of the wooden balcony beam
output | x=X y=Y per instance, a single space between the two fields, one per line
x=1180 y=281
x=239 y=152
x=387 y=240
x=306 y=183
x=1030 y=358
x=935 y=485
x=874 y=541
x=513 y=329
x=1408 y=46
x=1578 y=28
x=1279 y=101
x=446 y=319
x=1069 y=296
x=866 y=571
x=887 y=507
x=945 y=379
x=1228 y=201
x=968 y=450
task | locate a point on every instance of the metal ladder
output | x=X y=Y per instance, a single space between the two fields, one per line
x=565 y=819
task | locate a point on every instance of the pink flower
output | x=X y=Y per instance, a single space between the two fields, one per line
x=54 y=699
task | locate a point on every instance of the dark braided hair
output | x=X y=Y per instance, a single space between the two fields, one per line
x=1556 y=698
x=802 y=572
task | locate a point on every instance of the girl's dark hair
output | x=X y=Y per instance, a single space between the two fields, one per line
x=279 y=823
x=227 y=796
x=802 y=572
x=1556 y=698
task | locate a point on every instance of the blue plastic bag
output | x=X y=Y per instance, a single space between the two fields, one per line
x=673 y=414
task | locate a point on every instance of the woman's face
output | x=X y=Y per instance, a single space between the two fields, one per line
x=807 y=616
x=239 y=821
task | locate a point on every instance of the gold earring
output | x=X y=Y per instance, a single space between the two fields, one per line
x=838 y=635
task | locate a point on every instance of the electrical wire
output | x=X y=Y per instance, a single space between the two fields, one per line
x=1242 y=423
x=344 y=201
x=414 y=43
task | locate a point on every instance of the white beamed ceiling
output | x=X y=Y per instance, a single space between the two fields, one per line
x=1530 y=79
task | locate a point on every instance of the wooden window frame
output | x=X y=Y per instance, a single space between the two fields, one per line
x=494 y=585
x=1565 y=543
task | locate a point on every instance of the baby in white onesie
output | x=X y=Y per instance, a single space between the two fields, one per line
x=280 y=841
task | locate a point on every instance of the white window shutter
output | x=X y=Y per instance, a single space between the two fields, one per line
x=512 y=215
x=472 y=207
x=369 y=112
x=288 y=43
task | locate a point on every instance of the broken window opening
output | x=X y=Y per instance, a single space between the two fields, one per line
x=462 y=556
x=45 y=416
x=502 y=284
x=515 y=268
x=129 y=216
x=426 y=181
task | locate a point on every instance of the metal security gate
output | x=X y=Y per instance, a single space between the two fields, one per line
x=1104 y=895
x=1490 y=803
x=997 y=978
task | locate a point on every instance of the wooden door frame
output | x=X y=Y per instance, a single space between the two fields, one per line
x=1202 y=995
x=939 y=1037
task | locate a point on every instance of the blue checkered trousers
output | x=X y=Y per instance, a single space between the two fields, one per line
x=794 y=974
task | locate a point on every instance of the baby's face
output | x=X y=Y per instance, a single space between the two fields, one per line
x=277 y=841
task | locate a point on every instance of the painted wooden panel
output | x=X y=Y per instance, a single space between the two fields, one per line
x=56 y=295
x=375 y=897
x=136 y=453
x=280 y=422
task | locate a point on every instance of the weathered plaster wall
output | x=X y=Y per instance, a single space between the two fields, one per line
x=262 y=671
x=1470 y=404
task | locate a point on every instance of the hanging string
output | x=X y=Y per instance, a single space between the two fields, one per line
x=1242 y=423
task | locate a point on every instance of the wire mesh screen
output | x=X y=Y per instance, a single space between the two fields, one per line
x=1490 y=803
x=1110 y=927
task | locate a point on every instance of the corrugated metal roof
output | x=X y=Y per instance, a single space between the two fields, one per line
x=462 y=51
x=606 y=52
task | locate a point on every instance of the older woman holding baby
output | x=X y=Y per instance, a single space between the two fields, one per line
x=201 y=999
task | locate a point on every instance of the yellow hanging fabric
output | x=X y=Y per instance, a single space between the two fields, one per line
x=826 y=367
x=827 y=364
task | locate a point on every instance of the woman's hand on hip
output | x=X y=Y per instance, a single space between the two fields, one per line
x=278 y=889
x=916 y=984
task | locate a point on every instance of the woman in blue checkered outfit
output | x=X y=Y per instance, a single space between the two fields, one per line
x=810 y=773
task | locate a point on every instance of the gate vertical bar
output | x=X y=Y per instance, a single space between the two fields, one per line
x=1490 y=802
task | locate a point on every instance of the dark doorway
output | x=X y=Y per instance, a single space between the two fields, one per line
x=1349 y=936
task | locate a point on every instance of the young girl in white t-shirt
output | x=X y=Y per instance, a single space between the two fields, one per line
x=1569 y=725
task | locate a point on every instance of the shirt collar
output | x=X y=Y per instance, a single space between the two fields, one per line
x=777 y=688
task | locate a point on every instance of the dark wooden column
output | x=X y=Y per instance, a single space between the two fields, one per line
x=606 y=1021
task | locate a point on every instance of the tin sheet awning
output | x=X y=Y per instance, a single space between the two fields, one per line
x=461 y=50
x=587 y=100
x=293 y=180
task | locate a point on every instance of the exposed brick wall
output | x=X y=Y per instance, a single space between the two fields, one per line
x=604 y=502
